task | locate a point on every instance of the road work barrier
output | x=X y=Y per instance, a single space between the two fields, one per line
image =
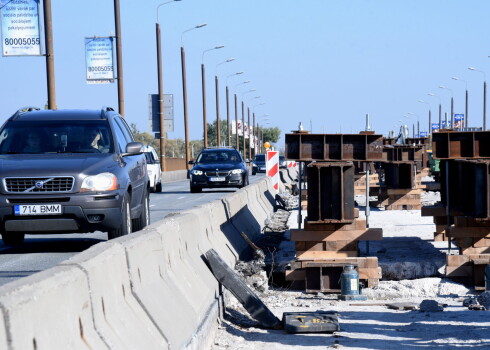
x=148 y=290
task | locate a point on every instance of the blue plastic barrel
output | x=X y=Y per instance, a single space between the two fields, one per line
x=349 y=281
x=487 y=277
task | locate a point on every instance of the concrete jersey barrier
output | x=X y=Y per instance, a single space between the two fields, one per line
x=150 y=290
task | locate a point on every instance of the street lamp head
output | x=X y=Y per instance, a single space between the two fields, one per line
x=442 y=87
x=185 y=31
x=218 y=47
x=167 y=2
x=201 y=25
x=471 y=68
x=421 y=101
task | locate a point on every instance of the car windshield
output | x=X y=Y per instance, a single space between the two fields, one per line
x=56 y=136
x=260 y=158
x=218 y=156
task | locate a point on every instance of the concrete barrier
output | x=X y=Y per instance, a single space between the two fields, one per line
x=118 y=317
x=171 y=176
x=50 y=310
x=151 y=289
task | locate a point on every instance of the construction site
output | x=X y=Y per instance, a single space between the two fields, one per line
x=380 y=243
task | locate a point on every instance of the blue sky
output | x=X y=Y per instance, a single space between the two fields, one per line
x=322 y=62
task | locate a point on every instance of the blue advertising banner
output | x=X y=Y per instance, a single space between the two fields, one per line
x=446 y=125
x=20 y=27
x=423 y=134
x=458 y=120
x=99 y=60
x=435 y=127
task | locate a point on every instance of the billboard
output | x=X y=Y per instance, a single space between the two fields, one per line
x=168 y=112
x=99 y=60
x=458 y=121
x=20 y=28
x=435 y=127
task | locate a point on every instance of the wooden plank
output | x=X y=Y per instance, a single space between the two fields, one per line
x=325 y=254
x=370 y=234
x=362 y=262
x=370 y=273
x=471 y=250
x=478 y=232
x=433 y=211
x=358 y=224
x=295 y=275
x=482 y=242
x=404 y=192
x=457 y=260
x=459 y=271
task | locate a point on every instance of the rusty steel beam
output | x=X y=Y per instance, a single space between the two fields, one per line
x=399 y=175
x=461 y=144
x=330 y=192
x=340 y=147
x=469 y=183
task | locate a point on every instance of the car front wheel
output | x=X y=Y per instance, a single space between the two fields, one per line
x=144 y=218
x=11 y=238
x=125 y=227
x=195 y=189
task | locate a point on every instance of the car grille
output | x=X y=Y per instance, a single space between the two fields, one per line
x=217 y=173
x=39 y=184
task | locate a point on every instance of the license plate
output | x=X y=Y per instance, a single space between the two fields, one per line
x=217 y=179
x=37 y=209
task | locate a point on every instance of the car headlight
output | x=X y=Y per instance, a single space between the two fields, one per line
x=196 y=172
x=100 y=182
x=253 y=164
x=236 y=171
x=150 y=172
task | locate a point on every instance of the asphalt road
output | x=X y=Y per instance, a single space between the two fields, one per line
x=40 y=252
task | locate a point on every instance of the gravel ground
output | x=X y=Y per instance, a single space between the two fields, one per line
x=412 y=264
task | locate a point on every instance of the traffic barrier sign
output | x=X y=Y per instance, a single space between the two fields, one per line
x=272 y=168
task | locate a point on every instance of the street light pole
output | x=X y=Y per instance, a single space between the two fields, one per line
x=452 y=104
x=243 y=120
x=203 y=83
x=484 y=96
x=430 y=117
x=253 y=127
x=248 y=130
x=218 y=124
x=440 y=109
x=161 y=108
x=236 y=113
x=465 y=121
x=228 y=108
x=120 y=80
x=184 y=89
x=48 y=36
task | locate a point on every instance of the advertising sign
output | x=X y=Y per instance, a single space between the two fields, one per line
x=435 y=127
x=423 y=134
x=20 y=27
x=99 y=60
x=168 y=112
x=446 y=125
x=458 y=120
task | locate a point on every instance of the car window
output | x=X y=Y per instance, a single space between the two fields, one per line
x=56 y=136
x=125 y=129
x=260 y=158
x=120 y=138
x=219 y=156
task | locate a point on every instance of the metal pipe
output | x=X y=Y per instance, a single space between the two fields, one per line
x=48 y=37
x=161 y=107
x=120 y=80
x=204 y=117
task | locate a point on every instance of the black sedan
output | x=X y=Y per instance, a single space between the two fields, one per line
x=218 y=167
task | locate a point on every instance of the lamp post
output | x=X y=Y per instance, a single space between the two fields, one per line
x=243 y=119
x=236 y=113
x=203 y=82
x=418 y=123
x=261 y=141
x=465 y=121
x=218 y=126
x=228 y=141
x=248 y=129
x=430 y=116
x=184 y=88
x=161 y=108
x=254 y=128
x=484 y=96
x=440 y=108
x=452 y=104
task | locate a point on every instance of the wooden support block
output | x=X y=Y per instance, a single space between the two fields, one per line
x=370 y=234
x=441 y=228
x=439 y=237
x=295 y=275
x=478 y=232
x=481 y=242
x=432 y=210
x=471 y=250
x=465 y=221
x=457 y=260
x=325 y=254
x=440 y=220
x=403 y=192
x=358 y=224
x=403 y=207
x=370 y=273
x=361 y=262
x=459 y=271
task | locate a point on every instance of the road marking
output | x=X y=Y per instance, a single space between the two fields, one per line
x=152 y=205
x=181 y=197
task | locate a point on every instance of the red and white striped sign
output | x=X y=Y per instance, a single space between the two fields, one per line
x=291 y=164
x=272 y=167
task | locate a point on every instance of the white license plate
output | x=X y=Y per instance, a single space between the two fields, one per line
x=217 y=179
x=37 y=209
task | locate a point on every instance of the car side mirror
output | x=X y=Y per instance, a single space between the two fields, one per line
x=191 y=162
x=133 y=148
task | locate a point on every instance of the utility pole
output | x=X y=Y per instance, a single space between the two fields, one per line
x=120 y=80
x=48 y=35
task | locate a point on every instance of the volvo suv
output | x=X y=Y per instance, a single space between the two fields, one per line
x=70 y=171
x=218 y=167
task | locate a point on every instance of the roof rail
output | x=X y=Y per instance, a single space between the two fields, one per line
x=104 y=111
x=23 y=110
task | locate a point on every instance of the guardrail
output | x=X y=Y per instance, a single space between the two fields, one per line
x=148 y=290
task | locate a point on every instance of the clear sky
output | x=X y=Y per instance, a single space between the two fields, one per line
x=325 y=63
